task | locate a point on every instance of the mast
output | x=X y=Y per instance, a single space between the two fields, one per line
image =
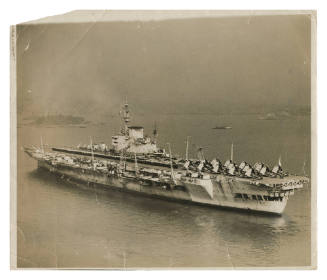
x=304 y=173
x=200 y=154
x=92 y=155
x=232 y=152
x=171 y=162
x=42 y=148
x=125 y=117
x=155 y=133
x=186 y=152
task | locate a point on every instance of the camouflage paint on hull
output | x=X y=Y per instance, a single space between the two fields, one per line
x=221 y=191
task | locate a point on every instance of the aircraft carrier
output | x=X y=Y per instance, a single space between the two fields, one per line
x=134 y=163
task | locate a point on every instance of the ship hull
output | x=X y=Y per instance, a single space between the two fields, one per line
x=219 y=192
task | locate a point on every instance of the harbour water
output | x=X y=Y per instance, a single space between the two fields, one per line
x=68 y=226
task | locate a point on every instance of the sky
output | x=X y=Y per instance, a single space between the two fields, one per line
x=215 y=65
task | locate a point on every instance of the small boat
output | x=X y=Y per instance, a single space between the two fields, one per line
x=222 y=127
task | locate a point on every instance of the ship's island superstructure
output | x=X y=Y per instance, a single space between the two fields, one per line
x=135 y=163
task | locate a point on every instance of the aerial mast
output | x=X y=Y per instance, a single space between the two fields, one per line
x=200 y=154
x=155 y=133
x=171 y=162
x=304 y=173
x=186 y=152
x=42 y=148
x=92 y=154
